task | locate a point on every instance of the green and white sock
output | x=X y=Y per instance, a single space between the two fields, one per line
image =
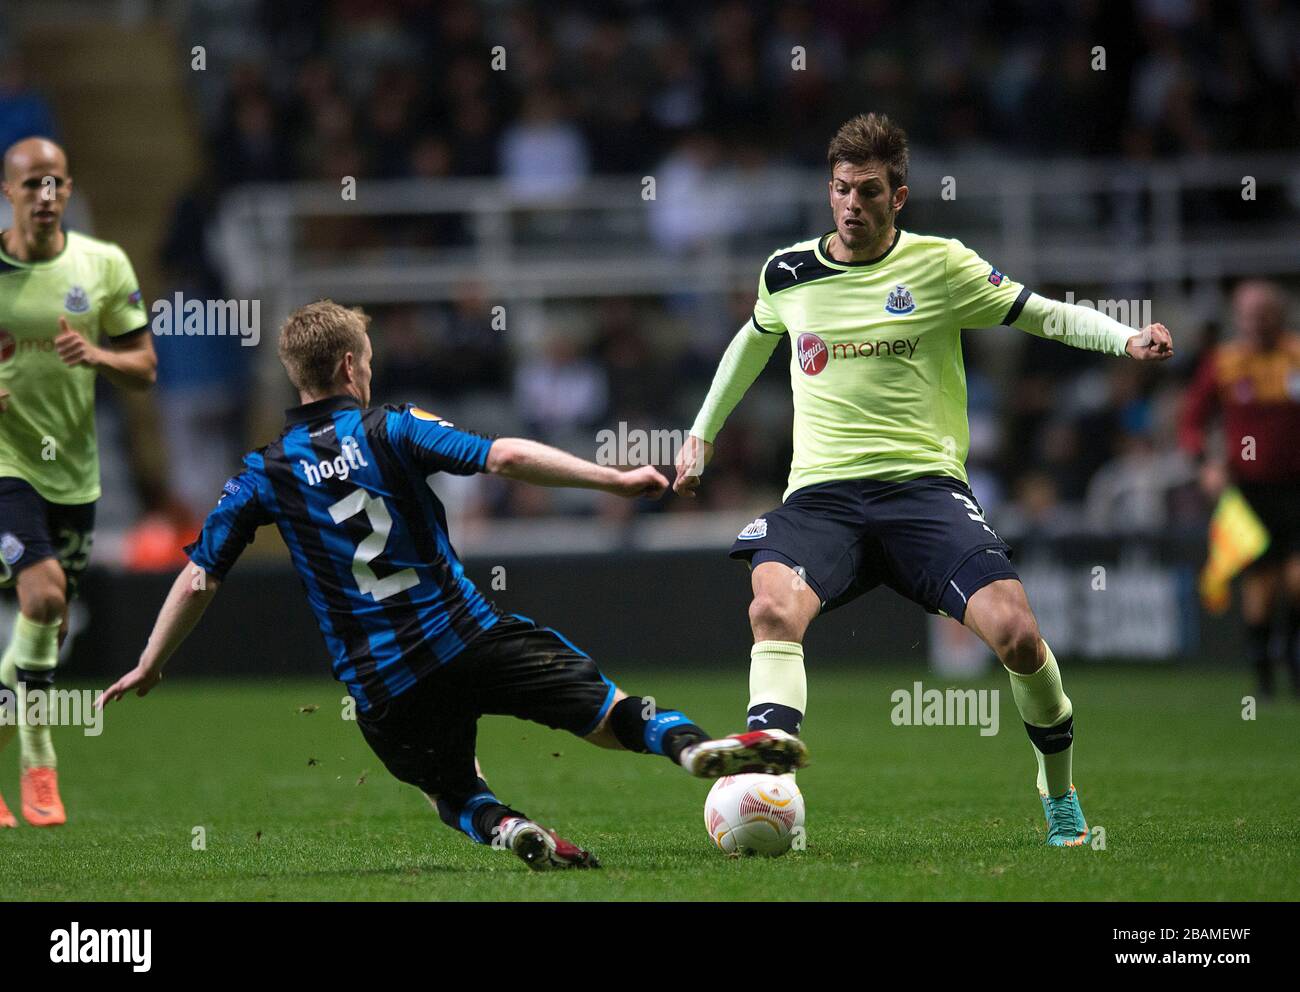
x=1049 y=721
x=778 y=687
x=33 y=648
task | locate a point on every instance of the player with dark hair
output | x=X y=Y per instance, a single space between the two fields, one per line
x=878 y=490
x=422 y=652
x=60 y=291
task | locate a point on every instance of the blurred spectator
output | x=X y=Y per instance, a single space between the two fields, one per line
x=202 y=385
x=638 y=386
x=389 y=118
x=437 y=353
x=249 y=146
x=1134 y=492
x=1037 y=510
x=679 y=100
x=689 y=207
x=24 y=112
x=543 y=154
x=561 y=393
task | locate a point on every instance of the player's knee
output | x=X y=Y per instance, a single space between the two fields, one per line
x=775 y=617
x=1017 y=642
x=44 y=603
x=42 y=592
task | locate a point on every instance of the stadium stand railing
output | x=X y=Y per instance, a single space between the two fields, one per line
x=1072 y=221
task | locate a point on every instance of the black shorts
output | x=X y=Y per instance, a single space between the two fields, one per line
x=33 y=529
x=426 y=735
x=925 y=538
x=1277 y=504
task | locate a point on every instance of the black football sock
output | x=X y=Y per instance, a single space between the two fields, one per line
x=477 y=815
x=642 y=727
x=1258 y=639
x=1292 y=647
x=773 y=716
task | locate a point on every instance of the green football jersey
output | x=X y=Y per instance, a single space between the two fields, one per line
x=47 y=436
x=876 y=365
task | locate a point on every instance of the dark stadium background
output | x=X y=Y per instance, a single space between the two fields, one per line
x=521 y=188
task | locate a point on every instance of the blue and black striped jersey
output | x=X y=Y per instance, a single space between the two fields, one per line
x=350 y=491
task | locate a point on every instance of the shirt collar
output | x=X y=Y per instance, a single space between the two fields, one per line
x=825 y=256
x=318 y=409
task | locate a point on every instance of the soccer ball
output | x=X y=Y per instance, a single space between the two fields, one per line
x=754 y=814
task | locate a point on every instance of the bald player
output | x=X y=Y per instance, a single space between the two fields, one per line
x=61 y=292
x=1252 y=384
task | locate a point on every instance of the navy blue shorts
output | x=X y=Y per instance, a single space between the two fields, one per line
x=925 y=538
x=426 y=735
x=33 y=529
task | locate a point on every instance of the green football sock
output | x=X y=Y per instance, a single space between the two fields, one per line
x=33 y=647
x=1049 y=720
x=778 y=687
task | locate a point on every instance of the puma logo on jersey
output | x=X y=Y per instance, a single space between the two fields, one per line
x=789 y=268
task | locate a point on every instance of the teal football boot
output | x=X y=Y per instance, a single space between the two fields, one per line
x=1065 y=823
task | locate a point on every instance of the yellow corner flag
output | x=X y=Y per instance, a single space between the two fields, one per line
x=1237 y=538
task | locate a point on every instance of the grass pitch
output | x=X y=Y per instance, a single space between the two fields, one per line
x=1196 y=802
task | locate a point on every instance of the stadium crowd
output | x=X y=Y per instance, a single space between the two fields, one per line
x=405 y=89
x=393 y=88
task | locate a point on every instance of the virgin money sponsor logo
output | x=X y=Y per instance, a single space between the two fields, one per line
x=813 y=354
x=11 y=346
x=883 y=349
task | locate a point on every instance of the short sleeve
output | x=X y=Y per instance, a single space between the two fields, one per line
x=433 y=444
x=123 y=309
x=978 y=294
x=766 y=318
x=230 y=526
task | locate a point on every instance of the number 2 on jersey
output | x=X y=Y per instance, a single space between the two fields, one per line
x=372 y=546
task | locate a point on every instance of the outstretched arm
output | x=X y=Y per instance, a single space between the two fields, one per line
x=542 y=465
x=1084 y=327
x=189 y=596
x=741 y=363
